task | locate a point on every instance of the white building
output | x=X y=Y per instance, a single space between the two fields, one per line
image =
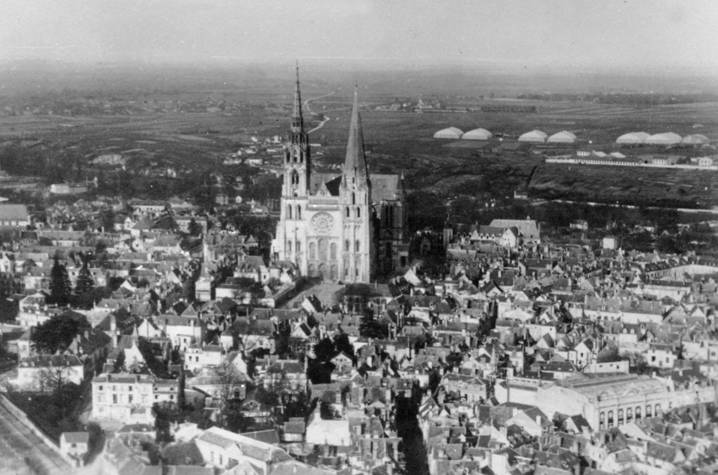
x=123 y=397
x=326 y=226
x=224 y=449
x=452 y=133
x=75 y=445
x=45 y=372
x=606 y=401
x=476 y=134
x=196 y=358
x=533 y=136
x=14 y=216
x=182 y=331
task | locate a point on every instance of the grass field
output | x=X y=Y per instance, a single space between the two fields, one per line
x=163 y=119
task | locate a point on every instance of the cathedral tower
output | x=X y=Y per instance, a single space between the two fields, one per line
x=326 y=222
x=295 y=187
x=355 y=196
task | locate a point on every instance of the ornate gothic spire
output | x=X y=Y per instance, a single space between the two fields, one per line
x=297 y=119
x=355 y=161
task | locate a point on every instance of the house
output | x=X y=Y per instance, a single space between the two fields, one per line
x=579 y=224
x=123 y=397
x=528 y=229
x=660 y=356
x=44 y=373
x=288 y=374
x=504 y=237
x=75 y=445
x=223 y=449
x=343 y=363
x=196 y=358
x=182 y=331
x=33 y=310
x=14 y=215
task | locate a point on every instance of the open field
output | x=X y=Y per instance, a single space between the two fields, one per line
x=639 y=186
x=191 y=119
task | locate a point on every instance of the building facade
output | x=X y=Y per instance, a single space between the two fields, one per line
x=338 y=228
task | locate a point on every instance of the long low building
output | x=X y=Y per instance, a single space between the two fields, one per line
x=606 y=401
x=14 y=215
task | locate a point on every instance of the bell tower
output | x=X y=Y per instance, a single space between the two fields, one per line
x=296 y=154
x=355 y=197
x=290 y=240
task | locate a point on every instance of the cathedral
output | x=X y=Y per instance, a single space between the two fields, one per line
x=342 y=228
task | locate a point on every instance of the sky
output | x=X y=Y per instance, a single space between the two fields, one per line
x=598 y=34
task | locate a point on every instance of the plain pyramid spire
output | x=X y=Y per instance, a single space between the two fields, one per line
x=355 y=161
x=297 y=119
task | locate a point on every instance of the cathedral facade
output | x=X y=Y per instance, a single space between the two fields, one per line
x=348 y=227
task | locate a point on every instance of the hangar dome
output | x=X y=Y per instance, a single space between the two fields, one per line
x=632 y=138
x=449 y=133
x=665 y=138
x=562 y=137
x=477 y=134
x=534 y=136
x=695 y=139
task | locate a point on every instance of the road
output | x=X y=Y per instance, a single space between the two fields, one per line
x=309 y=109
x=619 y=205
x=21 y=451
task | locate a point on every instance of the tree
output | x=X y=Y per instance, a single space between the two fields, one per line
x=60 y=288
x=194 y=228
x=85 y=283
x=58 y=332
x=324 y=350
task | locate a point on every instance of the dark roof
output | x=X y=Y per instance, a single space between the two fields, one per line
x=384 y=187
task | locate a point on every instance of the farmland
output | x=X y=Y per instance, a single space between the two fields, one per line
x=188 y=120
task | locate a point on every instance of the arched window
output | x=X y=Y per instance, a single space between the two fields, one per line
x=638 y=413
x=298 y=247
x=354 y=198
x=610 y=419
x=289 y=211
x=295 y=178
x=358 y=212
x=357 y=246
x=629 y=415
x=649 y=410
x=312 y=250
x=322 y=249
x=602 y=420
x=620 y=417
x=289 y=246
x=347 y=245
x=658 y=410
x=333 y=251
x=299 y=211
x=347 y=211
